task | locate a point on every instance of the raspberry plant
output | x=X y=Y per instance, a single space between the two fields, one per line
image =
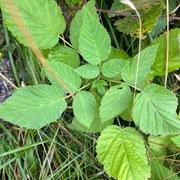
x=99 y=88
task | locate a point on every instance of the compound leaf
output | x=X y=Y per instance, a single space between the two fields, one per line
x=43 y=18
x=154 y=111
x=84 y=107
x=88 y=71
x=123 y=153
x=114 y=102
x=33 y=106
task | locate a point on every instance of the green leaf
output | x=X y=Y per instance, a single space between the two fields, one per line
x=33 y=106
x=96 y=125
x=113 y=67
x=130 y=25
x=127 y=113
x=97 y=82
x=66 y=74
x=101 y=89
x=158 y=171
x=100 y=86
x=117 y=54
x=114 y=102
x=84 y=107
x=154 y=111
x=88 y=71
x=158 y=28
x=123 y=154
x=75 y=27
x=116 y=6
x=77 y=21
x=176 y=140
x=147 y=58
x=142 y=6
x=159 y=66
x=63 y=54
x=158 y=146
x=94 y=41
x=159 y=143
x=43 y=18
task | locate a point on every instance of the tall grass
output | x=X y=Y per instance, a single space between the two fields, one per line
x=64 y=154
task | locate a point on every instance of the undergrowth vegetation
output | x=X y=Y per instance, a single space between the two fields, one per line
x=96 y=93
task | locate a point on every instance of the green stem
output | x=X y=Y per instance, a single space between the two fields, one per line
x=11 y=58
x=112 y=32
x=167 y=43
x=111 y=28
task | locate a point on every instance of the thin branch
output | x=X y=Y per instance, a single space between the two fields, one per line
x=171 y=17
x=167 y=44
x=164 y=145
x=118 y=13
x=162 y=158
x=3 y=77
